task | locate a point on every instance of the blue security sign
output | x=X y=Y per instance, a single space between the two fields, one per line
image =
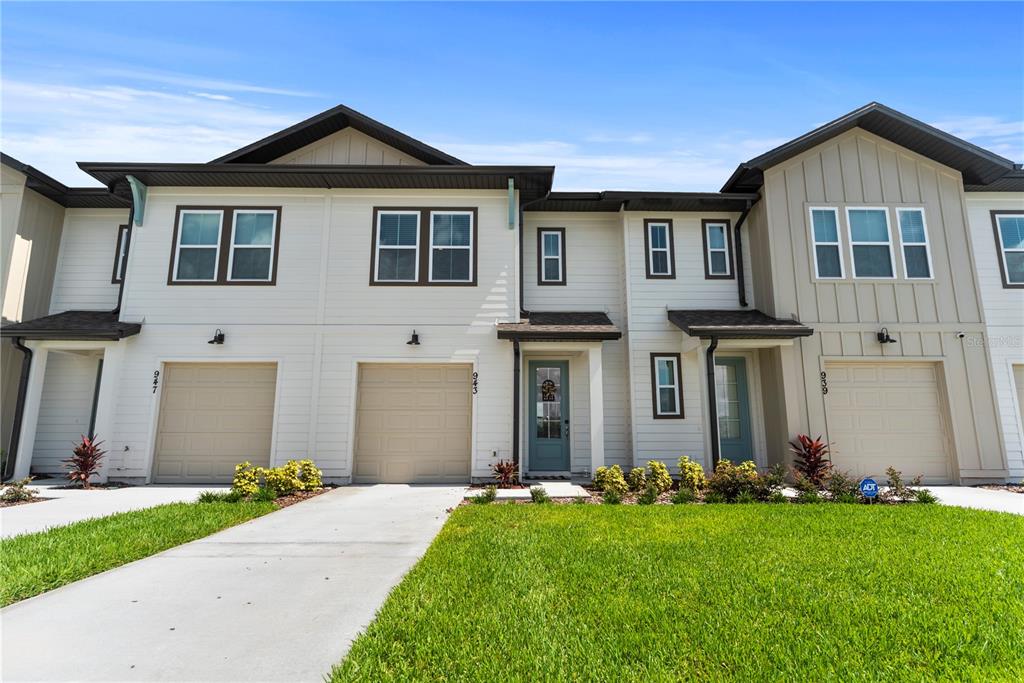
x=868 y=487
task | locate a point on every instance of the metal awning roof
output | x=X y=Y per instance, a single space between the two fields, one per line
x=561 y=326
x=736 y=324
x=73 y=325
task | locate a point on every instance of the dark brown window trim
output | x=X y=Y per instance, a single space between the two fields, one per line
x=728 y=248
x=424 y=246
x=999 y=248
x=671 y=249
x=654 y=385
x=225 y=247
x=117 y=274
x=540 y=257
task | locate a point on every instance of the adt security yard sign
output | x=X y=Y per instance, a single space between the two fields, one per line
x=869 y=488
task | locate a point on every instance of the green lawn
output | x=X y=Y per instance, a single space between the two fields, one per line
x=34 y=563
x=739 y=592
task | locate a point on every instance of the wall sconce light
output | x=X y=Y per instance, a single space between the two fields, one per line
x=884 y=338
x=414 y=340
x=218 y=337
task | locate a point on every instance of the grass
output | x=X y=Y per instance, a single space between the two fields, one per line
x=712 y=592
x=31 y=564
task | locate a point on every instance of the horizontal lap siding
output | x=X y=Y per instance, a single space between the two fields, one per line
x=64 y=410
x=86 y=264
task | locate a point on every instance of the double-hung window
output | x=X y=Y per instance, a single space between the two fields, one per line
x=828 y=257
x=397 y=248
x=197 y=251
x=870 y=242
x=666 y=383
x=225 y=246
x=1009 y=230
x=917 y=258
x=424 y=246
x=551 y=256
x=121 y=254
x=717 y=247
x=252 y=245
x=451 y=246
x=658 y=241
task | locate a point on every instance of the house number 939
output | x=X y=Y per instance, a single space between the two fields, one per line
x=824 y=383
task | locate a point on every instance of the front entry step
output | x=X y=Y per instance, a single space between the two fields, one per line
x=554 y=489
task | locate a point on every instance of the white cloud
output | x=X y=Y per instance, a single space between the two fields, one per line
x=196 y=82
x=211 y=96
x=993 y=133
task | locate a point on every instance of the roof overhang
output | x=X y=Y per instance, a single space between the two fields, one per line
x=73 y=326
x=561 y=326
x=68 y=197
x=729 y=324
x=615 y=200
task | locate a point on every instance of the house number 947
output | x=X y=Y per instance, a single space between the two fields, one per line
x=156 y=380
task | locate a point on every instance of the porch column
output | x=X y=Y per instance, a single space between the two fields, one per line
x=596 y=407
x=106 y=404
x=792 y=378
x=30 y=414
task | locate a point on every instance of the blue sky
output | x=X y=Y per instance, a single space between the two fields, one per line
x=618 y=96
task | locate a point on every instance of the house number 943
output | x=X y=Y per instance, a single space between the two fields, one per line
x=476 y=381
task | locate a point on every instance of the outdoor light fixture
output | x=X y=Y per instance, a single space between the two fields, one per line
x=884 y=338
x=414 y=340
x=218 y=337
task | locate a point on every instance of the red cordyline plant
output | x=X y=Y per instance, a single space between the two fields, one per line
x=506 y=472
x=85 y=460
x=811 y=458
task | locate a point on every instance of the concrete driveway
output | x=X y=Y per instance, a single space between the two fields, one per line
x=279 y=598
x=980 y=499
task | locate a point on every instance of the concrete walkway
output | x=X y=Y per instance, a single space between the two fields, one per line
x=65 y=506
x=276 y=599
x=980 y=499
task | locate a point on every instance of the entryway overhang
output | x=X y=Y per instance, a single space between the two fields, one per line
x=561 y=326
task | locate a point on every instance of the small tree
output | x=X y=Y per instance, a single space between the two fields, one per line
x=811 y=458
x=85 y=461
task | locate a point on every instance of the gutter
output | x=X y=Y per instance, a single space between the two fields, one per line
x=740 y=275
x=516 y=372
x=19 y=409
x=713 y=403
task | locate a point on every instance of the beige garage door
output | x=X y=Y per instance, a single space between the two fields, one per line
x=882 y=414
x=213 y=416
x=413 y=424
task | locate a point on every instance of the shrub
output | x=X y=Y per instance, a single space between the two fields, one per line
x=899 y=491
x=84 y=462
x=486 y=496
x=842 y=488
x=600 y=477
x=811 y=495
x=18 y=491
x=284 y=480
x=264 y=495
x=649 y=496
x=729 y=480
x=658 y=476
x=539 y=495
x=691 y=475
x=506 y=472
x=579 y=501
x=714 y=497
x=768 y=484
x=683 y=495
x=213 y=496
x=311 y=476
x=612 y=480
x=637 y=479
x=777 y=497
x=811 y=458
x=745 y=496
x=247 y=478
x=611 y=497
x=925 y=496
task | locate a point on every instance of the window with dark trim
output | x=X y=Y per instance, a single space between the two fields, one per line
x=666 y=385
x=235 y=245
x=717 y=249
x=416 y=246
x=659 y=249
x=550 y=256
x=120 y=255
x=1009 y=231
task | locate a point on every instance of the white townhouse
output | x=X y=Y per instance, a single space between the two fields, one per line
x=343 y=292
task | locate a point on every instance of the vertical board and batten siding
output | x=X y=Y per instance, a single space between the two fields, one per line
x=349 y=147
x=861 y=169
x=85 y=269
x=64 y=410
x=1004 y=318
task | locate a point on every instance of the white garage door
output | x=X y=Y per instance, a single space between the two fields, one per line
x=882 y=414
x=413 y=424
x=213 y=416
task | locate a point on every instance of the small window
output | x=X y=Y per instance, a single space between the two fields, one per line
x=660 y=249
x=397 y=246
x=120 y=254
x=828 y=258
x=870 y=243
x=551 y=256
x=917 y=258
x=717 y=250
x=1009 y=229
x=252 y=245
x=198 y=246
x=666 y=382
x=451 y=246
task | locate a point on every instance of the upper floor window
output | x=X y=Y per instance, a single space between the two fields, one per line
x=451 y=246
x=397 y=248
x=551 y=256
x=252 y=245
x=660 y=249
x=120 y=254
x=717 y=249
x=666 y=383
x=1009 y=230
x=828 y=257
x=197 y=245
x=870 y=242
x=424 y=247
x=206 y=253
x=917 y=258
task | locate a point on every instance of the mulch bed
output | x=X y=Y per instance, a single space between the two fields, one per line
x=93 y=487
x=10 y=504
x=1012 y=488
x=299 y=496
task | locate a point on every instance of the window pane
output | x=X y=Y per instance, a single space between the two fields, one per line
x=397 y=264
x=660 y=259
x=718 y=262
x=196 y=264
x=1015 y=267
x=451 y=264
x=716 y=237
x=551 y=269
x=917 y=261
x=1011 y=228
x=825 y=229
x=398 y=229
x=551 y=244
x=665 y=374
x=254 y=228
x=667 y=401
x=912 y=227
x=828 y=261
x=868 y=225
x=872 y=261
x=250 y=264
x=200 y=228
x=451 y=229
x=659 y=237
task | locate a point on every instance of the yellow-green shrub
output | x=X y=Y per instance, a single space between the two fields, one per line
x=658 y=476
x=691 y=475
x=614 y=482
x=600 y=477
x=284 y=479
x=311 y=476
x=637 y=479
x=247 y=478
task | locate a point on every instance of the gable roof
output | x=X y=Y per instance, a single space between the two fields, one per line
x=1011 y=182
x=68 y=197
x=978 y=166
x=325 y=123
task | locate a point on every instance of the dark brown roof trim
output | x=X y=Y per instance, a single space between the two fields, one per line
x=614 y=200
x=561 y=326
x=736 y=324
x=1011 y=182
x=68 y=197
x=73 y=325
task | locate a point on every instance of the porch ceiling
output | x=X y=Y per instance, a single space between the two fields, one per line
x=726 y=324
x=73 y=325
x=561 y=326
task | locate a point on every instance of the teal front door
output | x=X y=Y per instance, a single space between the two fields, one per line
x=734 y=432
x=549 y=416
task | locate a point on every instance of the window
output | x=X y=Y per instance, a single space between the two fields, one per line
x=666 y=385
x=208 y=253
x=120 y=254
x=828 y=258
x=717 y=250
x=1009 y=229
x=870 y=242
x=551 y=256
x=451 y=246
x=423 y=246
x=397 y=252
x=661 y=259
x=917 y=258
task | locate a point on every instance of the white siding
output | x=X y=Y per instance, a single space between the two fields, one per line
x=349 y=147
x=65 y=409
x=86 y=262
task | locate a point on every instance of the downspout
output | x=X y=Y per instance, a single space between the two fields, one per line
x=19 y=408
x=740 y=274
x=516 y=371
x=713 y=403
x=127 y=248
